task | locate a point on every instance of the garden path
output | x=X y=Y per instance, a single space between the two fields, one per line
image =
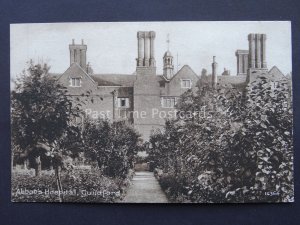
x=145 y=189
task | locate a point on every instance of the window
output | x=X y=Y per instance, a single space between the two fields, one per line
x=186 y=83
x=274 y=85
x=168 y=102
x=75 y=82
x=123 y=102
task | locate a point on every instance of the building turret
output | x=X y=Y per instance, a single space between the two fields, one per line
x=78 y=54
x=168 y=65
x=214 y=66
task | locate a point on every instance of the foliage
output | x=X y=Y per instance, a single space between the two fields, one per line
x=42 y=115
x=112 y=145
x=79 y=186
x=44 y=127
x=228 y=145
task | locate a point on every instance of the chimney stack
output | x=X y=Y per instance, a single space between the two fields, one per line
x=257 y=55
x=257 y=51
x=242 y=61
x=146 y=49
x=78 y=54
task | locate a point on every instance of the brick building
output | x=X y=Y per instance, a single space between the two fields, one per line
x=146 y=98
x=143 y=98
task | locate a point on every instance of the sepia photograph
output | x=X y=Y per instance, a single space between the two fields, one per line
x=151 y=112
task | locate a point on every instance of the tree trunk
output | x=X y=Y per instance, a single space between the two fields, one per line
x=58 y=183
x=38 y=166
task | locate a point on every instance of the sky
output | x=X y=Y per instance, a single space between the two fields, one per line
x=112 y=47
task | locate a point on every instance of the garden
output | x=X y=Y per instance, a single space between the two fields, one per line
x=55 y=158
x=241 y=152
x=226 y=145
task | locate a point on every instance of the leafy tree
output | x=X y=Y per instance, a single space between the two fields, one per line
x=112 y=145
x=267 y=138
x=228 y=145
x=42 y=115
x=44 y=126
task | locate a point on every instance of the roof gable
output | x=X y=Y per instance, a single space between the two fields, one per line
x=187 y=71
x=76 y=70
x=275 y=73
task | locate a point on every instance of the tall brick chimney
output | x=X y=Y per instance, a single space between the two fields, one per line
x=257 y=51
x=146 y=49
x=78 y=54
x=257 y=55
x=242 y=61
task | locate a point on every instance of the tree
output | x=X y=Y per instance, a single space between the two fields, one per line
x=228 y=144
x=42 y=115
x=267 y=138
x=112 y=145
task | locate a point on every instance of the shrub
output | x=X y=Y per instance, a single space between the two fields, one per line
x=78 y=186
x=241 y=151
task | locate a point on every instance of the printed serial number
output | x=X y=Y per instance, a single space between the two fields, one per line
x=272 y=193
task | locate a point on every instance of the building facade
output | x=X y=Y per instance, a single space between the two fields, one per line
x=145 y=98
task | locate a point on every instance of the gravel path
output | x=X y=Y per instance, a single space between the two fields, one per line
x=145 y=189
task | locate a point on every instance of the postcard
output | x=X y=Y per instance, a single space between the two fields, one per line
x=152 y=112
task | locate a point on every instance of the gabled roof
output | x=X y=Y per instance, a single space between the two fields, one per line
x=276 y=74
x=186 y=69
x=126 y=80
x=76 y=69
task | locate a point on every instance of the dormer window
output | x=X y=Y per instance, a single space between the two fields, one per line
x=186 y=83
x=75 y=82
